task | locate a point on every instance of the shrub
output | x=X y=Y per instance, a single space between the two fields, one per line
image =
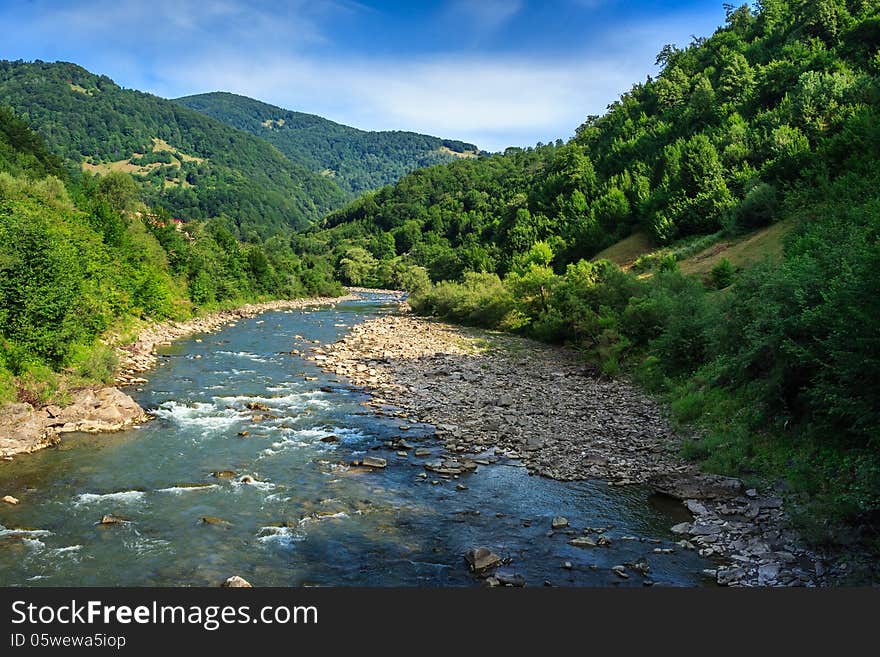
x=8 y=388
x=480 y=300
x=722 y=274
x=758 y=208
x=39 y=385
x=94 y=363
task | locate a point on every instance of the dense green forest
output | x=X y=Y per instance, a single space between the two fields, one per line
x=191 y=165
x=356 y=160
x=772 y=122
x=81 y=257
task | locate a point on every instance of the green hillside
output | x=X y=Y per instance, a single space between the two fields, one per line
x=355 y=159
x=190 y=164
x=81 y=257
x=765 y=339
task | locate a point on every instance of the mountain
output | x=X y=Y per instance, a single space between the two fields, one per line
x=81 y=258
x=194 y=166
x=740 y=188
x=356 y=159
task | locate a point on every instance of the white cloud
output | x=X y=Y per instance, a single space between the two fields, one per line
x=283 y=53
x=475 y=98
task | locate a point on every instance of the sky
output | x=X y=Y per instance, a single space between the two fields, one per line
x=496 y=73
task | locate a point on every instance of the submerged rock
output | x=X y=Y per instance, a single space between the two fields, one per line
x=110 y=519
x=620 y=571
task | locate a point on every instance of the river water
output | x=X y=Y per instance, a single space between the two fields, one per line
x=306 y=519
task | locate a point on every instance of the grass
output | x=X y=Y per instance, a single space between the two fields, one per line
x=625 y=252
x=741 y=252
x=460 y=154
x=126 y=165
x=80 y=90
x=160 y=145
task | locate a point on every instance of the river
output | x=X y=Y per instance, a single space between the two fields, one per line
x=306 y=519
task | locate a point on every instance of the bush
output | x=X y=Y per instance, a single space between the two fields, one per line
x=94 y=363
x=758 y=208
x=8 y=387
x=480 y=300
x=722 y=274
x=38 y=385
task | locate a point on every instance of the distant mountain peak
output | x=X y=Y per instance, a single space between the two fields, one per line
x=358 y=160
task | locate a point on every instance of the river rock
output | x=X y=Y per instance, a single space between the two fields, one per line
x=110 y=519
x=10 y=500
x=508 y=579
x=236 y=582
x=213 y=520
x=23 y=429
x=620 y=571
x=582 y=542
x=559 y=522
x=373 y=462
x=481 y=559
x=256 y=406
x=223 y=474
x=696 y=486
x=95 y=411
x=728 y=576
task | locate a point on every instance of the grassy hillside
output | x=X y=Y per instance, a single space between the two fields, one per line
x=80 y=256
x=185 y=162
x=739 y=188
x=355 y=159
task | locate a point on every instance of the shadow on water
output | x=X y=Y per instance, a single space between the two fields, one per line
x=306 y=519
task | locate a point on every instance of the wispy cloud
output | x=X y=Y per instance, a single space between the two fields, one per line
x=363 y=64
x=494 y=102
x=485 y=14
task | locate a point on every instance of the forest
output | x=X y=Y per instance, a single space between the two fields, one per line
x=357 y=160
x=218 y=171
x=82 y=258
x=771 y=125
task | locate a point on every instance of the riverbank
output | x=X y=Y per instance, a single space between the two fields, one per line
x=25 y=429
x=545 y=406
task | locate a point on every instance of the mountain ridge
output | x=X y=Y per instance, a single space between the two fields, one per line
x=358 y=160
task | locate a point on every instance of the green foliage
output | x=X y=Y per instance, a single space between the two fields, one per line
x=234 y=173
x=722 y=274
x=93 y=363
x=480 y=300
x=78 y=256
x=356 y=160
x=759 y=207
x=8 y=386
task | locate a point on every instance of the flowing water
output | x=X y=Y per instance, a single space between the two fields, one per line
x=307 y=519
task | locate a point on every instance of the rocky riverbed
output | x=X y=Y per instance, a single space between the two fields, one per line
x=25 y=429
x=546 y=406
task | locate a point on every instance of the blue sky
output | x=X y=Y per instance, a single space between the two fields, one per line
x=493 y=72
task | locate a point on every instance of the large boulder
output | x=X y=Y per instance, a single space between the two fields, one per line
x=482 y=559
x=23 y=429
x=94 y=411
x=236 y=582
